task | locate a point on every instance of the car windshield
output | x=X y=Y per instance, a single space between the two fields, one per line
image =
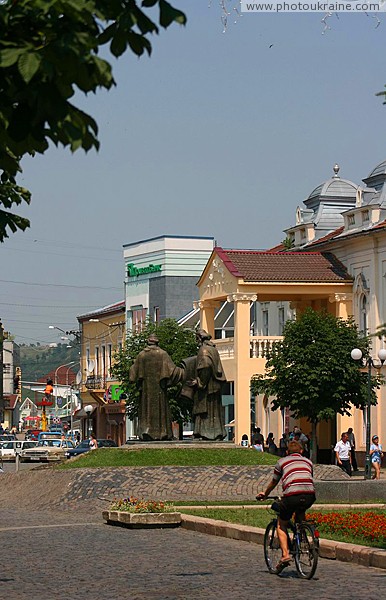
x=8 y=445
x=50 y=443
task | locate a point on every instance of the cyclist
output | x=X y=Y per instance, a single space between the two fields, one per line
x=296 y=475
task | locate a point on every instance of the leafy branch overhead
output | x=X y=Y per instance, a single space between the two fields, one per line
x=49 y=49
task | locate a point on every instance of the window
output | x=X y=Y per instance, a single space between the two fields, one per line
x=97 y=365
x=138 y=316
x=363 y=314
x=365 y=216
x=103 y=361
x=109 y=359
x=265 y=321
x=281 y=320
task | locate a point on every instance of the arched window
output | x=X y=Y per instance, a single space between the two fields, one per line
x=363 y=314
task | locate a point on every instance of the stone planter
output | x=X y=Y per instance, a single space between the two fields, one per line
x=142 y=520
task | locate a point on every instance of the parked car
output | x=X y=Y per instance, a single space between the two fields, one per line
x=47 y=450
x=10 y=449
x=7 y=437
x=85 y=447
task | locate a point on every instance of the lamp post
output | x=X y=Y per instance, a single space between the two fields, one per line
x=88 y=410
x=356 y=354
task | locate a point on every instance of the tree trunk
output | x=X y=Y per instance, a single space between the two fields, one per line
x=314 y=447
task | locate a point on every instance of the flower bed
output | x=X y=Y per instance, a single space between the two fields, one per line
x=137 y=512
x=369 y=525
x=139 y=505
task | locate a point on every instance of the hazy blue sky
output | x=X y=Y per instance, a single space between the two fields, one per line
x=216 y=134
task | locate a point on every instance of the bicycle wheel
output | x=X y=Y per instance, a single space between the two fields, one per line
x=306 y=552
x=272 y=552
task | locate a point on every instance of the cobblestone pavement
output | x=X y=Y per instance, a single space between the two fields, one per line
x=52 y=556
x=71 y=487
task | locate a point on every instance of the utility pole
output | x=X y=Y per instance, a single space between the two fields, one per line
x=1 y=373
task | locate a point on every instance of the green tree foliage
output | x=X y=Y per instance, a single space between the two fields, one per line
x=178 y=342
x=311 y=371
x=38 y=361
x=49 y=49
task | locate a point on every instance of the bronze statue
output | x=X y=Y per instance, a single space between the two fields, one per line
x=153 y=371
x=207 y=405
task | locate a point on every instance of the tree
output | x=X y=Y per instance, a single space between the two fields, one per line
x=49 y=50
x=311 y=371
x=178 y=342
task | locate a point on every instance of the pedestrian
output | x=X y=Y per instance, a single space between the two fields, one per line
x=270 y=442
x=351 y=439
x=303 y=439
x=343 y=453
x=296 y=475
x=78 y=438
x=376 y=456
x=283 y=445
x=257 y=437
x=93 y=442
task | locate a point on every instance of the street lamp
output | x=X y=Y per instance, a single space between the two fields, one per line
x=73 y=332
x=356 y=354
x=88 y=410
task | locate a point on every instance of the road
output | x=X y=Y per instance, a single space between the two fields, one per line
x=52 y=556
x=10 y=467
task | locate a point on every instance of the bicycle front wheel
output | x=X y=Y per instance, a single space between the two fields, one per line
x=272 y=552
x=307 y=552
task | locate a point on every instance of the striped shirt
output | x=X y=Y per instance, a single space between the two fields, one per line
x=295 y=472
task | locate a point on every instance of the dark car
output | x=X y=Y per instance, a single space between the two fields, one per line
x=32 y=434
x=85 y=447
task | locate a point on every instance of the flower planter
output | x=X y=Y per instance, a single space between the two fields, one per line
x=142 y=520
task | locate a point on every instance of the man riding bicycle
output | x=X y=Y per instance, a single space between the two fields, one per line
x=296 y=475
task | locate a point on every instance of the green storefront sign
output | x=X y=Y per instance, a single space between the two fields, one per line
x=133 y=271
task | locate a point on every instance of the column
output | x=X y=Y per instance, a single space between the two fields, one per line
x=207 y=309
x=242 y=363
x=343 y=305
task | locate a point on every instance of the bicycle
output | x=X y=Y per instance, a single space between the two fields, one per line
x=303 y=545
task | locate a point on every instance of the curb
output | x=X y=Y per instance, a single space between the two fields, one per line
x=360 y=555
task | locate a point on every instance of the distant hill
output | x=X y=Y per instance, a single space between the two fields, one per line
x=37 y=361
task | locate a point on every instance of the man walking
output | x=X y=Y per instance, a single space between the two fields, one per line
x=343 y=453
x=351 y=439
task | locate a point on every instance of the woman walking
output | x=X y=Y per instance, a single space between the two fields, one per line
x=376 y=456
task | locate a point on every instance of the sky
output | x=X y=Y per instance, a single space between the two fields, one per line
x=216 y=134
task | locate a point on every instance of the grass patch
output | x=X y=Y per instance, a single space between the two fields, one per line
x=158 y=457
x=261 y=518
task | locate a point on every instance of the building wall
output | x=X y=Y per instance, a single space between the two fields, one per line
x=173 y=295
x=174 y=264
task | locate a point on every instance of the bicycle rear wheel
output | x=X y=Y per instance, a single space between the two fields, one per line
x=307 y=552
x=272 y=552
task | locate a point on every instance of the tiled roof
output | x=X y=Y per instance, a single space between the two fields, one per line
x=310 y=267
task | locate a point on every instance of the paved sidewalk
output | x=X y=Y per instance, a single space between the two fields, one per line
x=51 y=556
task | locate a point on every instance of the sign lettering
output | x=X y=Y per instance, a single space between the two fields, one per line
x=133 y=271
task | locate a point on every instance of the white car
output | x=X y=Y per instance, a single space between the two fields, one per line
x=47 y=450
x=10 y=449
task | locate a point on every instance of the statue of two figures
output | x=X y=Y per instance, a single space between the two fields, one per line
x=201 y=377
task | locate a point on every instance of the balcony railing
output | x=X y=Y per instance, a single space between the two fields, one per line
x=258 y=346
